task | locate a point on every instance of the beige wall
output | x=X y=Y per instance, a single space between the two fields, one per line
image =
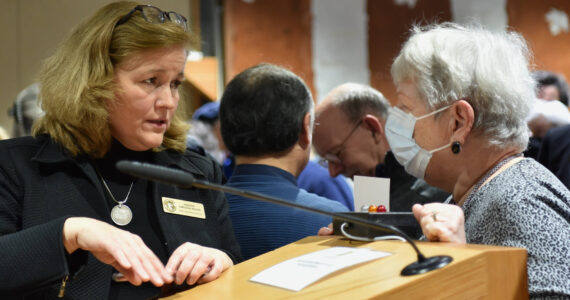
x=31 y=30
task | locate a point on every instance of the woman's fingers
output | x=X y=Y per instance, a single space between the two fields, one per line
x=127 y=253
x=121 y=249
x=201 y=268
x=144 y=261
x=326 y=230
x=441 y=222
x=193 y=264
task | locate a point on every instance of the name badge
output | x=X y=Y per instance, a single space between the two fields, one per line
x=183 y=208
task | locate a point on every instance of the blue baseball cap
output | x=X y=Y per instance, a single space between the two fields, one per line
x=207 y=112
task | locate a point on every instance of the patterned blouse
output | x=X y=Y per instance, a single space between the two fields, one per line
x=526 y=206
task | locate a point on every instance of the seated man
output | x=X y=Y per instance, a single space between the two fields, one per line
x=350 y=135
x=266 y=115
x=205 y=137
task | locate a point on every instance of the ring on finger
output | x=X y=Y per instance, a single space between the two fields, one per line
x=434 y=215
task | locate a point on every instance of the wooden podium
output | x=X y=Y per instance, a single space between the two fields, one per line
x=476 y=272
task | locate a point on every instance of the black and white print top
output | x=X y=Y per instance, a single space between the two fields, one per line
x=526 y=206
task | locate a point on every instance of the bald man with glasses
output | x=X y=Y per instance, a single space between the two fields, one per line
x=349 y=137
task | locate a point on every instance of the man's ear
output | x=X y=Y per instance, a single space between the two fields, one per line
x=461 y=123
x=306 y=135
x=373 y=124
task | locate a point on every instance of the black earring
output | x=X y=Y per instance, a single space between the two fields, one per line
x=455 y=147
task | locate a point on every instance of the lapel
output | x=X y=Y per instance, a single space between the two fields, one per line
x=54 y=156
x=177 y=160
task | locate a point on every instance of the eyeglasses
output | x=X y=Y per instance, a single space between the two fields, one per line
x=154 y=15
x=335 y=157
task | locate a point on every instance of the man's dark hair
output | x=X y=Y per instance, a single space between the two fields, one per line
x=544 y=78
x=262 y=110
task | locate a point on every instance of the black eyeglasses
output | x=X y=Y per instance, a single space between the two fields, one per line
x=154 y=15
x=329 y=157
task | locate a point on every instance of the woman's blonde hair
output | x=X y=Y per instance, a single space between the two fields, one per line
x=78 y=80
x=3 y=134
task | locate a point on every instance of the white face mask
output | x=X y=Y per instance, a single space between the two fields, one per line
x=399 y=132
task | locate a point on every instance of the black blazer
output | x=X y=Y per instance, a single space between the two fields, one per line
x=41 y=186
x=555 y=153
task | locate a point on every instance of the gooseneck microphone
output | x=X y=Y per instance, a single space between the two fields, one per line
x=186 y=180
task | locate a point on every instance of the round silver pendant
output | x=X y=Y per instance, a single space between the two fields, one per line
x=121 y=214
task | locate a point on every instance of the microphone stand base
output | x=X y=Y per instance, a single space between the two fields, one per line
x=428 y=264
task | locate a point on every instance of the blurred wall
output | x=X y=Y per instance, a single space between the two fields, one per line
x=534 y=19
x=290 y=33
x=276 y=32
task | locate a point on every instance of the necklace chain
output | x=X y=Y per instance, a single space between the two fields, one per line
x=111 y=194
x=488 y=174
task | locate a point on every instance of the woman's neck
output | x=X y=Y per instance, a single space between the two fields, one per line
x=292 y=160
x=118 y=152
x=477 y=167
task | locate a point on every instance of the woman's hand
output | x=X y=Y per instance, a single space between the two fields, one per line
x=197 y=264
x=441 y=222
x=121 y=249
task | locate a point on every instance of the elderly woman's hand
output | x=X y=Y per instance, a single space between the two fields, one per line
x=197 y=264
x=326 y=230
x=441 y=222
x=121 y=249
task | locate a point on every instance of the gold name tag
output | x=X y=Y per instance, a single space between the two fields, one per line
x=183 y=208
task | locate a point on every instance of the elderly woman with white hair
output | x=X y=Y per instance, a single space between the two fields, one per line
x=459 y=123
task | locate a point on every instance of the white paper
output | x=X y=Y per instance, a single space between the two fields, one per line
x=371 y=191
x=296 y=273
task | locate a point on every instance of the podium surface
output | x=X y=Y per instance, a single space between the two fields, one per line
x=476 y=272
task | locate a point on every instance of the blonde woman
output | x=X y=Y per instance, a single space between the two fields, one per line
x=70 y=223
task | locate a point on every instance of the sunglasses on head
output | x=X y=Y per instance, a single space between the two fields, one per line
x=154 y=15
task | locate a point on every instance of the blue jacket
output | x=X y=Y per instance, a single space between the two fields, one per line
x=260 y=226
x=316 y=179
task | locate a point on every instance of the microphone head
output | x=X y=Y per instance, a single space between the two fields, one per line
x=156 y=173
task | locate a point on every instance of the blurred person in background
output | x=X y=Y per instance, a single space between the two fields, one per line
x=26 y=110
x=205 y=132
x=551 y=86
x=549 y=109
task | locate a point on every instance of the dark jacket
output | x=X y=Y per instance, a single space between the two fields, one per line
x=41 y=186
x=555 y=153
